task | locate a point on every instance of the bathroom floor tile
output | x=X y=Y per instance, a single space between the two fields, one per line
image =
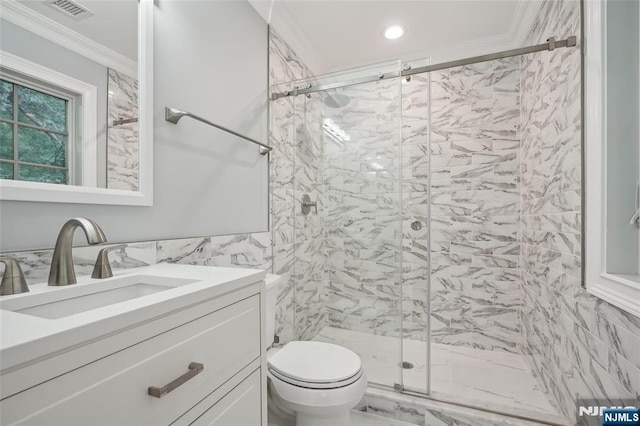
x=492 y=380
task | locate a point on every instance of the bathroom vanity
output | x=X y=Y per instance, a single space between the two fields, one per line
x=164 y=344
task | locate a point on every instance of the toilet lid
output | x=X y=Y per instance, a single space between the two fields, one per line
x=315 y=362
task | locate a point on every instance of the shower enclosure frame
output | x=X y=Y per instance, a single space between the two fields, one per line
x=407 y=71
x=550 y=45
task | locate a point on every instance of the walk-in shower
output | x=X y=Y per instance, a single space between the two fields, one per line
x=419 y=182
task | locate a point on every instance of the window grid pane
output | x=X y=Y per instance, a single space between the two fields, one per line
x=41 y=138
x=42 y=110
x=6 y=141
x=6 y=100
x=6 y=170
x=37 y=146
x=41 y=174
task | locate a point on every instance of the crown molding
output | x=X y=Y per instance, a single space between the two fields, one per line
x=285 y=26
x=28 y=19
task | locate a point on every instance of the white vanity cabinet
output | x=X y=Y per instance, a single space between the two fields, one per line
x=220 y=336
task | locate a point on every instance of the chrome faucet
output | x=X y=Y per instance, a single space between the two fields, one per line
x=13 y=281
x=62 y=271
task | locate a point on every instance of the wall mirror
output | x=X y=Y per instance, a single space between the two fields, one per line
x=612 y=152
x=76 y=101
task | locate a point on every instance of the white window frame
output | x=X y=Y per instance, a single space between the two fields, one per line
x=621 y=291
x=84 y=143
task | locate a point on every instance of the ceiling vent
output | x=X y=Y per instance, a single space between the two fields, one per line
x=70 y=9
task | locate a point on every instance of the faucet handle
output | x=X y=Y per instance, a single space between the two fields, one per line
x=102 y=268
x=13 y=281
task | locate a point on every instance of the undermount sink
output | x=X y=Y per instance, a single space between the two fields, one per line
x=71 y=300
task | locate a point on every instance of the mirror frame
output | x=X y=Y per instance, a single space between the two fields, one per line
x=44 y=192
x=614 y=289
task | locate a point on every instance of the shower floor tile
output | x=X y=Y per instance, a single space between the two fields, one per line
x=490 y=380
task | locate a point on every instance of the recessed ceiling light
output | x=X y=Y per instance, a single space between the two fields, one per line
x=393 y=32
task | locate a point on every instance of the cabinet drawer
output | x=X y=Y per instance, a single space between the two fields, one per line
x=114 y=389
x=240 y=407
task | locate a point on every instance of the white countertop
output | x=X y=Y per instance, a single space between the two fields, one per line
x=25 y=338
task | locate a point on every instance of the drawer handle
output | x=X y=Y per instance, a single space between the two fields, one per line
x=195 y=368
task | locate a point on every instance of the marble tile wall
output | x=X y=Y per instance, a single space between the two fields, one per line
x=282 y=204
x=577 y=345
x=296 y=170
x=475 y=206
x=362 y=213
x=122 y=139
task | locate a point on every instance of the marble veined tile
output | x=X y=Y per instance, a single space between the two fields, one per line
x=122 y=139
x=36 y=264
x=191 y=251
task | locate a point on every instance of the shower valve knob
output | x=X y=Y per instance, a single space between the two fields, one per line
x=307 y=204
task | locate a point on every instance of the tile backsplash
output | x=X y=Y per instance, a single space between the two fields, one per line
x=240 y=250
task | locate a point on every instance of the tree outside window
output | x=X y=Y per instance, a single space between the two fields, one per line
x=34 y=134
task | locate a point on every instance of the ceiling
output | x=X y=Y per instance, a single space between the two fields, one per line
x=333 y=35
x=113 y=25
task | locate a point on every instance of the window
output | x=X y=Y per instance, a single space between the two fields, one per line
x=34 y=133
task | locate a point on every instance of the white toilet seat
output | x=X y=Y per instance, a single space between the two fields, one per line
x=315 y=365
x=315 y=385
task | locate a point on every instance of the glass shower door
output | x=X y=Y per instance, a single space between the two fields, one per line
x=415 y=155
x=361 y=217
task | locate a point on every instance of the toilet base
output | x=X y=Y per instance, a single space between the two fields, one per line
x=277 y=416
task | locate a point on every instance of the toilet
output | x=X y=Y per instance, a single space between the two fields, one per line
x=309 y=383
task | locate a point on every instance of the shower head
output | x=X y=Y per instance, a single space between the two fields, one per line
x=336 y=100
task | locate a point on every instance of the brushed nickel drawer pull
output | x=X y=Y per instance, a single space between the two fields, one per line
x=195 y=368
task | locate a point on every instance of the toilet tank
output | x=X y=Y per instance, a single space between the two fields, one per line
x=273 y=288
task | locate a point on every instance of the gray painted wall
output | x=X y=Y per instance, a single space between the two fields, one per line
x=622 y=135
x=27 y=45
x=210 y=59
